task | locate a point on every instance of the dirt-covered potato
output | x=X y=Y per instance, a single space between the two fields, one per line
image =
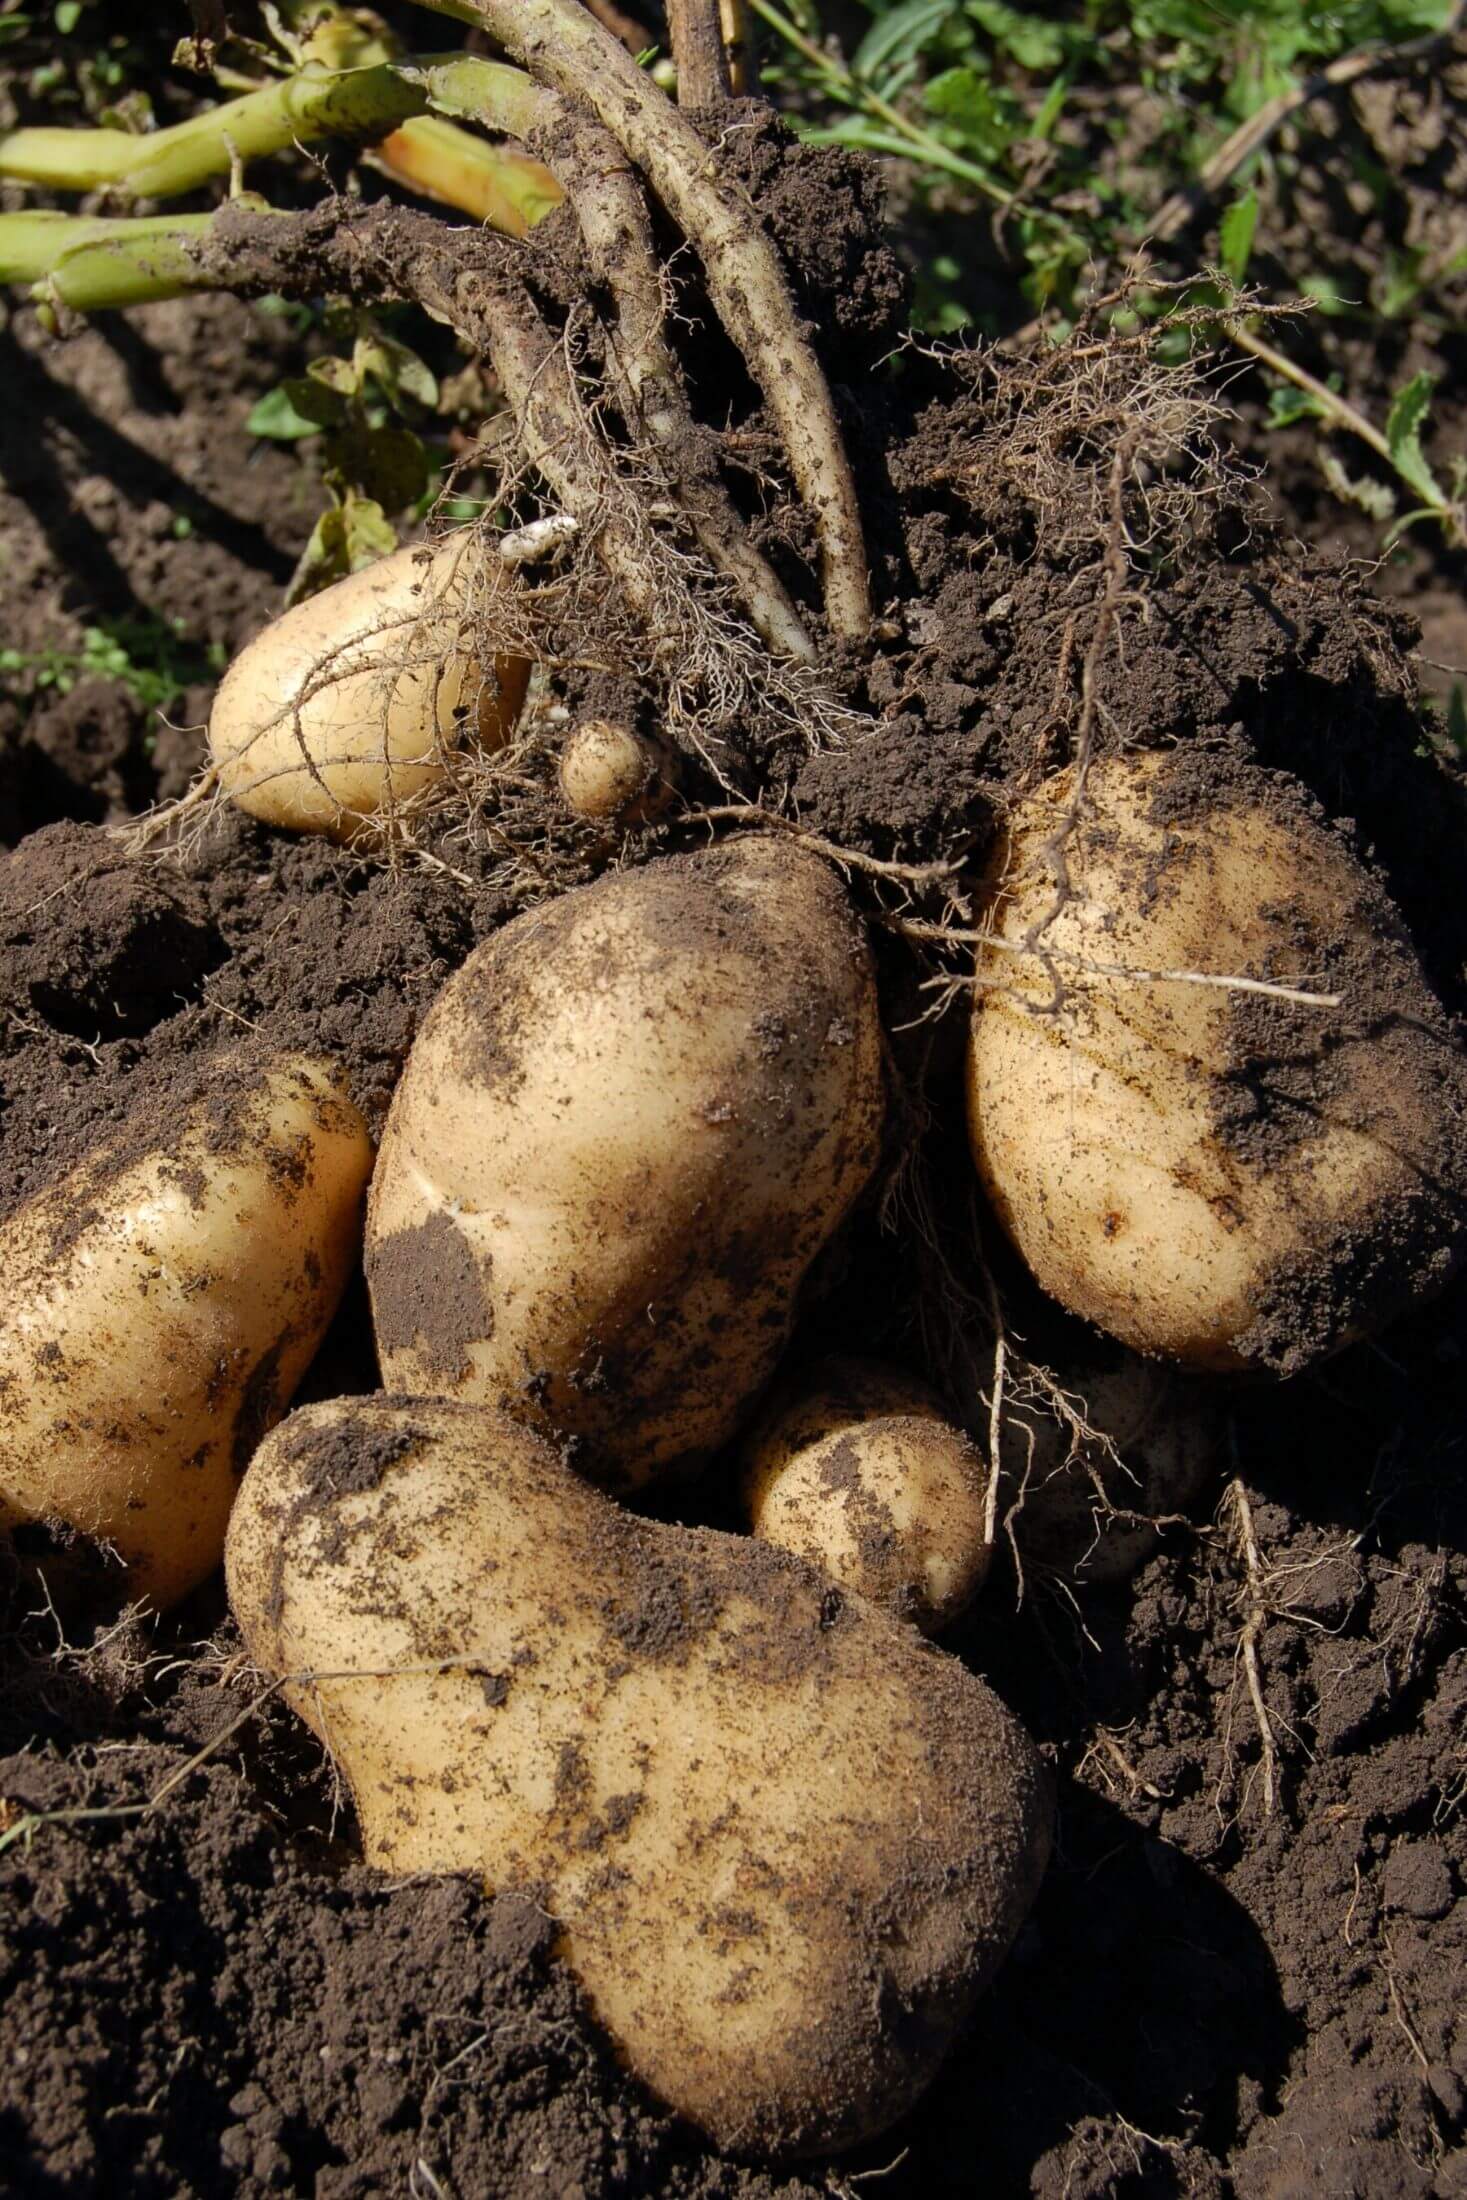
x=1155 y=1443
x=857 y=1469
x=1230 y=1178
x=162 y=1301
x=785 y=1841
x=607 y=772
x=352 y=703
x=629 y=1124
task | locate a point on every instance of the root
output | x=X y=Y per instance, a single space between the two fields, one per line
x=1255 y=1612
x=606 y=198
x=959 y=936
x=565 y=47
x=849 y=859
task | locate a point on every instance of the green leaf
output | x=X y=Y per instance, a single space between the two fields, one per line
x=1286 y=405
x=67 y=16
x=275 y=417
x=1372 y=497
x=13 y=28
x=1235 y=236
x=390 y=466
x=1409 y=409
x=898 y=38
x=965 y=98
x=1034 y=43
x=397 y=368
x=1457 y=718
x=342 y=376
x=347 y=537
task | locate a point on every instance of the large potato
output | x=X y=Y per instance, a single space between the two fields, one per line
x=629 y=1124
x=857 y=1469
x=161 y=1303
x=1156 y=1439
x=1231 y=1179
x=351 y=704
x=785 y=1841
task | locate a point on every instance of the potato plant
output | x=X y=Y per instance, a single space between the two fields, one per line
x=669 y=1100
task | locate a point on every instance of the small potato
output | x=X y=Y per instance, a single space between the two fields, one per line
x=629 y=1124
x=607 y=772
x=161 y=1303
x=1090 y=1503
x=351 y=703
x=861 y=1473
x=786 y=1842
x=1229 y=1179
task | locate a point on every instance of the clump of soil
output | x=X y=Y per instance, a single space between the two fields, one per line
x=1209 y=1997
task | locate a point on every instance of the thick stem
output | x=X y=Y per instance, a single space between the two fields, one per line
x=353 y=103
x=558 y=41
x=92 y=264
x=738 y=42
x=502 y=187
x=695 y=28
x=506 y=189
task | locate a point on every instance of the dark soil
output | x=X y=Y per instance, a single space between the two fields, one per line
x=1209 y=1998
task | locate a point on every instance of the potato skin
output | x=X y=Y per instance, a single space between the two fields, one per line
x=1168 y=1431
x=1223 y=1179
x=159 y=1313
x=629 y=1124
x=373 y=697
x=785 y=1841
x=856 y=1469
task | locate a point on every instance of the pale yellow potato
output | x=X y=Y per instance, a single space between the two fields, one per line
x=856 y=1468
x=1228 y=1179
x=1090 y=1502
x=161 y=1303
x=785 y=1841
x=352 y=703
x=608 y=772
x=629 y=1124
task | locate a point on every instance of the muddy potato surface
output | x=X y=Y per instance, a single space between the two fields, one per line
x=629 y=1124
x=1158 y=1446
x=856 y=1468
x=1225 y=1178
x=785 y=1841
x=162 y=1301
x=351 y=703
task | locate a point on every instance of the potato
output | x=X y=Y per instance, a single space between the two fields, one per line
x=857 y=1470
x=351 y=704
x=1231 y=1179
x=629 y=1124
x=163 y=1300
x=1167 y=1431
x=784 y=1840
x=609 y=772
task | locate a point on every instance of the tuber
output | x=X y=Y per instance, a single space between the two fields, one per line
x=1232 y=1174
x=784 y=1840
x=162 y=1301
x=350 y=706
x=630 y=1122
x=859 y=1471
